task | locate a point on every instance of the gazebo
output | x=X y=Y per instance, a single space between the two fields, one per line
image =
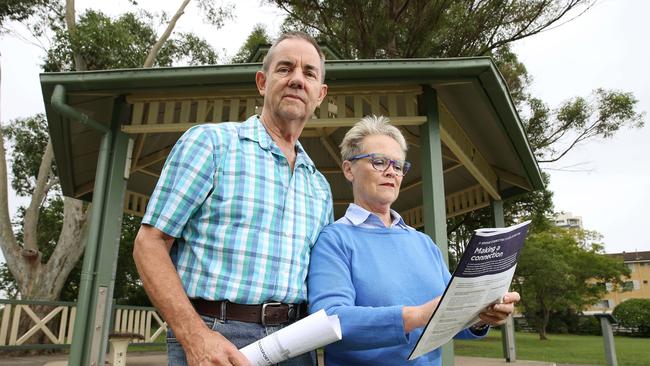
x=112 y=130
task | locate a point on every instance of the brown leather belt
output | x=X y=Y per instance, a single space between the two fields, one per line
x=270 y=313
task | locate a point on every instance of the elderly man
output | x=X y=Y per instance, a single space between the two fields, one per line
x=224 y=248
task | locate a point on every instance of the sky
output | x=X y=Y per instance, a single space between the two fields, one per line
x=606 y=182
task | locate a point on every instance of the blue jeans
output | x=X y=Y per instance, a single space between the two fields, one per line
x=240 y=334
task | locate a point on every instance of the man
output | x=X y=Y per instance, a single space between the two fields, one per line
x=223 y=251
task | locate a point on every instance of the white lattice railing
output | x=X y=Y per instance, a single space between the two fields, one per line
x=55 y=321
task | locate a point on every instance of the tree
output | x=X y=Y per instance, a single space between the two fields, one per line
x=601 y=115
x=257 y=38
x=634 y=314
x=88 y=44
x=562 y=269
x=423 y=28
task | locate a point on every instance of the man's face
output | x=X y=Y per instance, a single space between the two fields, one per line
x=292 y=87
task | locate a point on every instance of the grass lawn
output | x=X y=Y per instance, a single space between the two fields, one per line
x=560 y=348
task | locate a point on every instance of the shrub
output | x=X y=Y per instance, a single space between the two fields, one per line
x=635 y=315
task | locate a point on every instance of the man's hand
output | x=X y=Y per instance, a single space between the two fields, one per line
x=497 y=314
x=207 y=348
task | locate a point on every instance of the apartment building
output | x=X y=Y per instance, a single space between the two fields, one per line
x=637 y=286
x=567 y=220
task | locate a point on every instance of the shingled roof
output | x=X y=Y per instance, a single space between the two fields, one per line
x=633 y=256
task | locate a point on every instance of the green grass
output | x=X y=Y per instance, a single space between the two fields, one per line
x=560 y=348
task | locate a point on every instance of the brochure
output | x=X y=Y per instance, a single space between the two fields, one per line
x=315 y=331
x=481 y=278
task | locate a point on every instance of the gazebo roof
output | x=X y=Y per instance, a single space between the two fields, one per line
x=485 y=153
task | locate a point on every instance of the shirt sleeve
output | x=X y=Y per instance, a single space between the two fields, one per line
x=185 y=181
x=331 y=288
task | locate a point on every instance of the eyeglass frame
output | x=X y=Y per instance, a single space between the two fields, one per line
x=406 y=166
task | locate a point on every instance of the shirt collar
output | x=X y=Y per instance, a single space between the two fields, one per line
x=253 y=129
x=359 y=215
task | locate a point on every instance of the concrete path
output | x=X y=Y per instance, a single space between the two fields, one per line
x=160 y=359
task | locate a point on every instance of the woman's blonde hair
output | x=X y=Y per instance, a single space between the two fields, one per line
x=352 y=143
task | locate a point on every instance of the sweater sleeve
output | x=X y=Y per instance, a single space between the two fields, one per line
x=331 y=288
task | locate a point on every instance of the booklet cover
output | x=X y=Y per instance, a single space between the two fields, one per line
x=481 y=278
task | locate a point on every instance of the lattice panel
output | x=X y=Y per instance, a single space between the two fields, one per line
x=340 y=108
x=135 y=203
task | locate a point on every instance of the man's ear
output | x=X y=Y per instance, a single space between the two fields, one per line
x=260 y=81
x=323 y=93
x=347 y=171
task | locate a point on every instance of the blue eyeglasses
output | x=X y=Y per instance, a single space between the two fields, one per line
x=382 y=163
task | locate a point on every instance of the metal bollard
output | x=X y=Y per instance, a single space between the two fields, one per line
x=606 y=321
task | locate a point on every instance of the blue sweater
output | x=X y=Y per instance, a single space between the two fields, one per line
x=365 y=276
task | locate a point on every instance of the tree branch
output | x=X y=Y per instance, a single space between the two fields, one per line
x=8 y=242
x=71 y=242
x=151 y=57
x=30 y=225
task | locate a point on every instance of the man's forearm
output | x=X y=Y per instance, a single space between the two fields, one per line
x=164 y=288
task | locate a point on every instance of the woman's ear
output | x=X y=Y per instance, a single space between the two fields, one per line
x=347 y=170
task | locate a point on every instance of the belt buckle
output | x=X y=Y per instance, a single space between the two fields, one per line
x=264 y=306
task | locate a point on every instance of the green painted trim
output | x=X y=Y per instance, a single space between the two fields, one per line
x=37 y=302
x=404 y=71
x=86 y=302
x=25 y=347
x=499 y=98
x=433 y=187
x=58 y=102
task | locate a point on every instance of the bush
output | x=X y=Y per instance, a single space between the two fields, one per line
x=635 y=315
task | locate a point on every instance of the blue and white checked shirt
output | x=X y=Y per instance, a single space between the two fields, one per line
x=244 y=223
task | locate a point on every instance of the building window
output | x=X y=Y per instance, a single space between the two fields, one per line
x=603 y=304
x=631 y=267
x=631 y=285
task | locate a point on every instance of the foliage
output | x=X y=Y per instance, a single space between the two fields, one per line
x=29 y=136
x=536 y=206
x=123 y=42
x=216 y=15
x=423 y=28
x=560 y=349
x=562 y=269
x=257 y=37
x=19 y=9
x=634 y=314
x=578 y=119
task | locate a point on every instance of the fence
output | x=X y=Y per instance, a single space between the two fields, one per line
x=54 y=322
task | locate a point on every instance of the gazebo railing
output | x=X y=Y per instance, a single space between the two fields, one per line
x=54 y=322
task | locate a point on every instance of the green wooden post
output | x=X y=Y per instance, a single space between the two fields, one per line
x=508 y=329
x=95 y=298
x=433 y=187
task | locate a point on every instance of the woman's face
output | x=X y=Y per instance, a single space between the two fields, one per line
x=375 y=190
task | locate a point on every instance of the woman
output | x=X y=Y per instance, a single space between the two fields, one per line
x=380 y=276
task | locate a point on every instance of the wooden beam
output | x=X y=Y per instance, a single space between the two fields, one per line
x=152 y=158
x=330 y=146
x=417 y=183
x=459 y=143
x=137 y=150
x=512 y=178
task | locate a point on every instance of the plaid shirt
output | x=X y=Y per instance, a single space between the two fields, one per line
x=244 y=222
